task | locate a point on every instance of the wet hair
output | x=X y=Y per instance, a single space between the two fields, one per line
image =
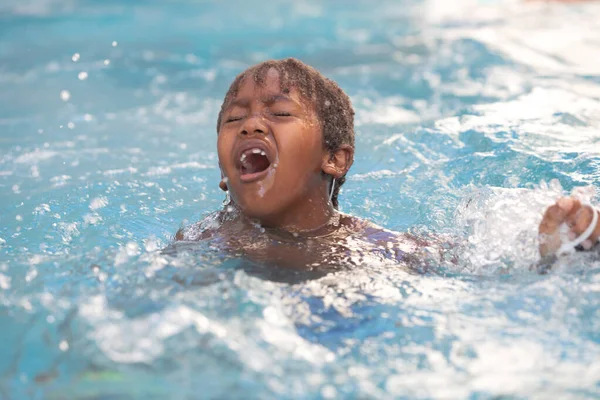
x=333 y=107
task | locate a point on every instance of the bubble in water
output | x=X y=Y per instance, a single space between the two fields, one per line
x=114 y=43
x=2 y=242
x=70 y=125
x=19 y=218
x=50 y=319
x=65 y=95
x=16 y=189
x=82 y=76
x=88 y=117
x=75 y=57
x=106 y=62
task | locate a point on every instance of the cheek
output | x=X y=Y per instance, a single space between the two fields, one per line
x=302 y=151
x=224 y=145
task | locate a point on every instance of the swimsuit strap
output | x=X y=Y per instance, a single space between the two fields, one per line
x=569 y=247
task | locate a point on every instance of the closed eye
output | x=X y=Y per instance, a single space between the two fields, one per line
x=233 y=119
x=282 y=114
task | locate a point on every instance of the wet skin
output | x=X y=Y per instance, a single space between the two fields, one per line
x=292 y=193
x=282 y=215
x=345 y=242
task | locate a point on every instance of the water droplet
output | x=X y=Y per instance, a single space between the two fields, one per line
x=328 y=392
x=63 y=345
x=82 y=76
x=65 y=95
x=5 y=282
x=75 y=57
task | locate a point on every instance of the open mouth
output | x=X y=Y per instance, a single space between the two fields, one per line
x=253 y=164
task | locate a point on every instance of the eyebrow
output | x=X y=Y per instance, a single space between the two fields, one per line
x=268 y=100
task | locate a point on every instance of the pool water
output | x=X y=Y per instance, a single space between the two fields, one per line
x=472 y=117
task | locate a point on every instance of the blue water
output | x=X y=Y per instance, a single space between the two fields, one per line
x=472 y=117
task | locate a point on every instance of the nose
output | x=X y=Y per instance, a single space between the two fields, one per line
x=254 y=125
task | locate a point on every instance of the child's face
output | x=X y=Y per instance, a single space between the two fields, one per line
x=271 y=151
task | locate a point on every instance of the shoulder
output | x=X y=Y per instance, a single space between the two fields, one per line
x=201 y=230
x=380 y=236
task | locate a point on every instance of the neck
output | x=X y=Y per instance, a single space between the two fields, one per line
x=306 y=215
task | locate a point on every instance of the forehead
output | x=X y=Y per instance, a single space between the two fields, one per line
x=268 y=86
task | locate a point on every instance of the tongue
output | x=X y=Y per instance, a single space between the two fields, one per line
x=254 y=163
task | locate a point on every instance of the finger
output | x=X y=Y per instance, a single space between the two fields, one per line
x=580 y=223
x=556 y=215
x=549 y=239
x=596 y=234
x=572 y=206
x=580 y=220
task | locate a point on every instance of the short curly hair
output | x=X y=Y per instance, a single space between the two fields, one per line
x=333 y=107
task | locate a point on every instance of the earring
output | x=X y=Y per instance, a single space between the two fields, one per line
x=332 y=187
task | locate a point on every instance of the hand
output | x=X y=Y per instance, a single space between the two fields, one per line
x=578 y=218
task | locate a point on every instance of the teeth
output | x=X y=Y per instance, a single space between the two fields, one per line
x=252 y=151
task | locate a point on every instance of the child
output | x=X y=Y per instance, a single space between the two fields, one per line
x=285 y=144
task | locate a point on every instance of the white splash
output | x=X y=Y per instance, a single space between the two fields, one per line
x=98 y=202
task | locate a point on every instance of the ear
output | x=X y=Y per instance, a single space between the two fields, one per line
x=339 y=162
x=222 y=184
